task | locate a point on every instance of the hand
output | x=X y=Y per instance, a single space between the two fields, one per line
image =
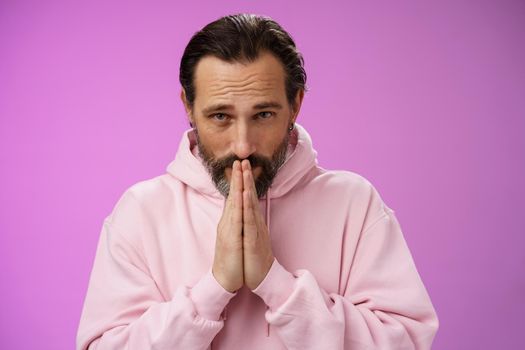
x=258 y=256
x=227 y=264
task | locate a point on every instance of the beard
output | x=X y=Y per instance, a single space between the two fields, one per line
x=269 y=166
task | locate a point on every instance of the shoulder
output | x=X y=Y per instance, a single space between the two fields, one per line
x=155 y=188
x=349 y=189
x=343 y=181
x=142 y=200
x=344 y=178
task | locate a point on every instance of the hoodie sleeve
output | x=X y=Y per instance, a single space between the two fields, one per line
x=384 y=304
x=124 y=309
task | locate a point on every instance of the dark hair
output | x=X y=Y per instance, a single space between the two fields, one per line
x=243 y=37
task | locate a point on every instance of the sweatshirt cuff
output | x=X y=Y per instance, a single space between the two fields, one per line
x=276 y=287
x=209 y=297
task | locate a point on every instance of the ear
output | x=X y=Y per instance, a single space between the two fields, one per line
x=187 y=108
x=296 y=107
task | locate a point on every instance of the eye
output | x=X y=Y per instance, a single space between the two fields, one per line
x=265 y=115
x=219 y=117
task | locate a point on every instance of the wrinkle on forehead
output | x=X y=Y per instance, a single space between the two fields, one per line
x=252 y=83
x=216 y=78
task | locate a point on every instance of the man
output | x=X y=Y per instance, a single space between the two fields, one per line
x=246 y=243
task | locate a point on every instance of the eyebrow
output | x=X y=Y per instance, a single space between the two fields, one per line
x=217 y=108
x=269 y=104
x=226 y=107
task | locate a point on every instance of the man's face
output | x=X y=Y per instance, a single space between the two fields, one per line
x=241 y=111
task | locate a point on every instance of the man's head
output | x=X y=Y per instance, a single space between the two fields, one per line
x=243 y=83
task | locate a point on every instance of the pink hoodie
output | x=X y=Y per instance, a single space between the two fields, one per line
x=343 y=277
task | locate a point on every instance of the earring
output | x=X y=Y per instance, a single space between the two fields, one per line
x=291 y=127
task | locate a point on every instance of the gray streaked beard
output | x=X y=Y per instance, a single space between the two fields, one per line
x=216 y=167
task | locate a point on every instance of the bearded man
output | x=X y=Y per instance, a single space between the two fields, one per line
x=245 y=242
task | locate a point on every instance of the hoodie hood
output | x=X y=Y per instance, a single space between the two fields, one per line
x=188 y=167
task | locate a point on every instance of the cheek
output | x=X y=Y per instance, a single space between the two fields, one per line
x=273 y=142
x=212 y=141
x=269 y=139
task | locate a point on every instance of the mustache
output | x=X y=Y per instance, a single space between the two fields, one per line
x=227 y=162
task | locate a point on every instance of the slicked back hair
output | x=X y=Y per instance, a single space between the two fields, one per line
x=242 y=37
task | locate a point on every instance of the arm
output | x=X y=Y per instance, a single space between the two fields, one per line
x=383 y=305
x=125 y=309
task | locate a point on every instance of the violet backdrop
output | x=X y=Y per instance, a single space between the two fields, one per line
x=424 y=99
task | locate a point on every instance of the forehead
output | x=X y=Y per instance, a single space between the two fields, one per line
x=218 y=81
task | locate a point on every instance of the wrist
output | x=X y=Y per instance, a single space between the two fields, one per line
x=223 y=281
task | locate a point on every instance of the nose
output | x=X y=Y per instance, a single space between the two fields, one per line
x=243 y=143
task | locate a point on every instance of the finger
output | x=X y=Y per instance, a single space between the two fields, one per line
x=249 y=220
x=236 y=193
x=234 y=181
x=249 y=182
x=251 y=202
x=229 y=199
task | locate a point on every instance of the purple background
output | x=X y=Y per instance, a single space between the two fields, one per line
x=425 y=99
